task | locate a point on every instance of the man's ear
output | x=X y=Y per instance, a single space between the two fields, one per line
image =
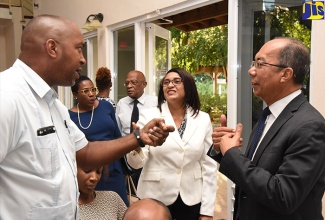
x=51 y=48
x=287 y=74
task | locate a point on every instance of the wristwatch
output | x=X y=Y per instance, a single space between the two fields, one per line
x=137 y=135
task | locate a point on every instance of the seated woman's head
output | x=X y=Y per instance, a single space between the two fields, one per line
x=87 y=181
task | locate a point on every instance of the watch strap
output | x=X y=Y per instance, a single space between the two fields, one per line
x=137 y=135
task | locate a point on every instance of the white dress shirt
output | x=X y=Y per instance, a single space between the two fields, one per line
x=124 y=109
x=37 y=172
x=276 y=108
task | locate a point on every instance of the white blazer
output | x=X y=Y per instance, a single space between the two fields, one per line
x=180 y=165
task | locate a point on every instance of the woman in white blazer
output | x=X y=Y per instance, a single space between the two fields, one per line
x=179 y=173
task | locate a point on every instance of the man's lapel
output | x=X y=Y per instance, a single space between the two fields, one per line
x=191 y=126
x=285 y=115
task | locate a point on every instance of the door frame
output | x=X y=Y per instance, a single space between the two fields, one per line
x=140 y=36
x=153 y=32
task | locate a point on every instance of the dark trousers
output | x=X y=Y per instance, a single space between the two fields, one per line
x=181 y=211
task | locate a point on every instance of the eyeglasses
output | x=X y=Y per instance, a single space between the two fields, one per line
x=258 y=64
x=175 y=81
x=92 y=90
x=133 y=83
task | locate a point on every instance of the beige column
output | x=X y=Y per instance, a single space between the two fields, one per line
x=317 y=76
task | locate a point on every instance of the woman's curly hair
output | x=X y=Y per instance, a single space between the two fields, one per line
x=103 y=78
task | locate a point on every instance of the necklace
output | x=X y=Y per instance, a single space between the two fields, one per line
x=91 y=119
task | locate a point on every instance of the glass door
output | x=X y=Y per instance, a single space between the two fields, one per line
x=124 y=56
x=257 y=23
x=90 y=52
x=159 y=59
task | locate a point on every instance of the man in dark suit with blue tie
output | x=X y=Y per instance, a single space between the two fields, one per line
x=282 y=177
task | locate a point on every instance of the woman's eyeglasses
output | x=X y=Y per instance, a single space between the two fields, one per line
x=87 y=91
x=175 y=81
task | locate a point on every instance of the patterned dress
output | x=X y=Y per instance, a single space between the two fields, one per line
x=108 y=99
x=107 y=205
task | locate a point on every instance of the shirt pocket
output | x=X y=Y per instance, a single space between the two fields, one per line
x=125 y=126
x=45 y=153
x=61 y=212
x=197 y=174
x=151 y=176
x=69 y=148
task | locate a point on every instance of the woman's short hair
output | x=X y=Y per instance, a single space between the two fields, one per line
x=81 y=78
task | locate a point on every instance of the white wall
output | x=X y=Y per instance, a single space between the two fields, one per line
x=114 y=12
x=3 y=54
x=317 y=74
x=10 y=34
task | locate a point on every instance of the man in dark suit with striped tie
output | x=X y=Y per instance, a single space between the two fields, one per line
x=282 y=175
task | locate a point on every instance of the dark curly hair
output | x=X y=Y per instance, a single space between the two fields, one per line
x=75 y=87
x=103 y=78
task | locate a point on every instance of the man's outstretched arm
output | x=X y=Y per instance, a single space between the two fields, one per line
x=99 y=153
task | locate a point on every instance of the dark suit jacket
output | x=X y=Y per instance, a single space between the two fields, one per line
x=286 y=179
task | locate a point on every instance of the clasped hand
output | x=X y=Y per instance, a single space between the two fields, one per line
x=155 y=132
x=225 y=138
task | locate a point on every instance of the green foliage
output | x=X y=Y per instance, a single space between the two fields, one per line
x=161 y=54
x=214 y=105
x=289 y=24
x=206 y=47
x=283 y=23
x=204 y=83
x=210 y=102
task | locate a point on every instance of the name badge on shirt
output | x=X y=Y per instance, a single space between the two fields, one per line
x=45 y=131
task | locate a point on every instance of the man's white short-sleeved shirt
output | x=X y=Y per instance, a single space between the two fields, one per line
x=38 y=177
